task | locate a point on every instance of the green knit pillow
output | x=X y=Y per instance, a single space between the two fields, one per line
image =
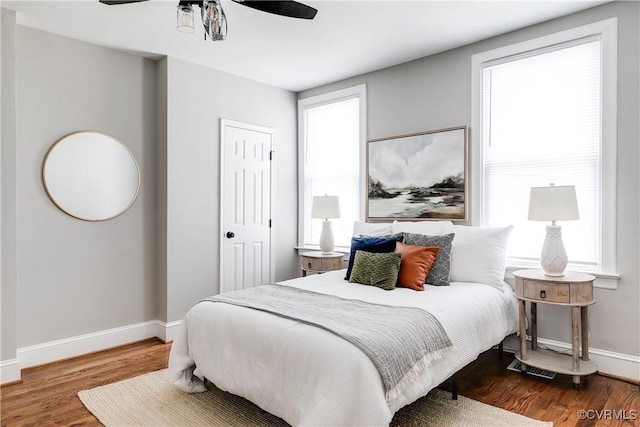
x=376 y=269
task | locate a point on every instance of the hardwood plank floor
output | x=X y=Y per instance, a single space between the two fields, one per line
x=47 y=394
x=488 y=380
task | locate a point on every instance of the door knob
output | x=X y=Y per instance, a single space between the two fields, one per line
x=230 y=235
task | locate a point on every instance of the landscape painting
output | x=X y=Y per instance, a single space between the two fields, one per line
x=418 y=176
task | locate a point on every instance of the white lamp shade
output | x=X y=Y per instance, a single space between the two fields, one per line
x=553 y=203
x=325 y=207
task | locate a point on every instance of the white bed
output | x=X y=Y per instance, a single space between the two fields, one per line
x=309 y=376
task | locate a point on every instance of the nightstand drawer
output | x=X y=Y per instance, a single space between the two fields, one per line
x=551 y=292
x=310 y=263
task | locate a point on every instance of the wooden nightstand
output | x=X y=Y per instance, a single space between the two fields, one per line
x=317 y=262
x=574 y=290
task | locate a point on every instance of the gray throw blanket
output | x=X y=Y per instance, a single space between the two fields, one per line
x=400 y=341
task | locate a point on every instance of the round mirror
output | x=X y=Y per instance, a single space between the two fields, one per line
x=91 y=176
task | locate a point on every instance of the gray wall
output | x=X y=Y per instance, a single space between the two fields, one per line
x=8 y=267
x=435 y=93
x=77 y=277
x=197 y=97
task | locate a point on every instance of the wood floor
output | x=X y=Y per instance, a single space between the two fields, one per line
x=47 y=394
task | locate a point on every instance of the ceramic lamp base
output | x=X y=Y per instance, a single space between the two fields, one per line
x=326 y=238
x=553 y=257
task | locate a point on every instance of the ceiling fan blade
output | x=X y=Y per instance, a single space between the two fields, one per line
x=291 y=9
x=115 y=2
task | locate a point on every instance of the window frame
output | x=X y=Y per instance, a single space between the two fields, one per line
x=606 y=31
x=360 y=92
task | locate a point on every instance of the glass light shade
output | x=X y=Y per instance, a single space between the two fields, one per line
x=184 y=18
x=214 y=20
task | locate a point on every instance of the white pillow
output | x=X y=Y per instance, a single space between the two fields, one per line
x=430 y=228
x=479 y=254
x=375 y=229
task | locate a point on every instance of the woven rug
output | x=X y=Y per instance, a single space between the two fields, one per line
x=149 y=400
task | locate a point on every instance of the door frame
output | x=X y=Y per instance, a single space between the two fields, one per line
x=248 y=126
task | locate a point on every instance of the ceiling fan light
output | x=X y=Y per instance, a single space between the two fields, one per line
x=214 y=20
x=184 y=18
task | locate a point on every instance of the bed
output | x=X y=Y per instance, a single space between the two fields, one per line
x=307 y=375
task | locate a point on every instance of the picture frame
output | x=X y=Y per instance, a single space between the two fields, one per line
x=419 y=176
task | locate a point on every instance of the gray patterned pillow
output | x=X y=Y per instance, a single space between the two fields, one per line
x=376 y=269
x=439 y=273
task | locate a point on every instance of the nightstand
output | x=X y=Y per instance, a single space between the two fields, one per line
x=317 y=262
x=573 y=290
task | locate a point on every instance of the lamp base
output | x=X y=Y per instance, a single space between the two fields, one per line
x=553 y=258
x=326 y=238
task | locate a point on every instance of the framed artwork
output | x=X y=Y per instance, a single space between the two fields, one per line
x=420 y=176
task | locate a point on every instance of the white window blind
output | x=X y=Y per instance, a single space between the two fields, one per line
x=541 y=122
x=331 y=141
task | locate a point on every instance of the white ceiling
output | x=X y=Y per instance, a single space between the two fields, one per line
x=346 y=38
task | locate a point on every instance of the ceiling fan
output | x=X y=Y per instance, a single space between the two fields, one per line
x=214 y=19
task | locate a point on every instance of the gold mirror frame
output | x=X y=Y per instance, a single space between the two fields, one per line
x=91 y=176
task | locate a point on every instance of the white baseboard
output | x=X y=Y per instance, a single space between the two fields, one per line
x=167 y=331
x=10 y=371
x=608 y=362
x=82 y=344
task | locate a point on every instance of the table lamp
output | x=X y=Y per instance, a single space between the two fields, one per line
x=553 y=203
x=326 y=207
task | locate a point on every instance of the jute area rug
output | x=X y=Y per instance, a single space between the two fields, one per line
x=149 y=400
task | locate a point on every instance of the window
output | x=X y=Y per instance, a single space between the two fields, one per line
x=331 y=140
x=544 y=112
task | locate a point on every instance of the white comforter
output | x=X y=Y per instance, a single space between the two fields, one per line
x=309 y=376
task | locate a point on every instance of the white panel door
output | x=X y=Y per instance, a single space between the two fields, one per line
x=246 y=233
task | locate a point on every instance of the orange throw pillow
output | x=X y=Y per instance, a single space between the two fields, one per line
x=415 y=263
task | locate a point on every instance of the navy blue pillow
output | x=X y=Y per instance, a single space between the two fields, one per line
x=371 y=244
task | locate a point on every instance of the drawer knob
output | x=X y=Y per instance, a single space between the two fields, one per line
x=309 y=265
x=543 y=293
